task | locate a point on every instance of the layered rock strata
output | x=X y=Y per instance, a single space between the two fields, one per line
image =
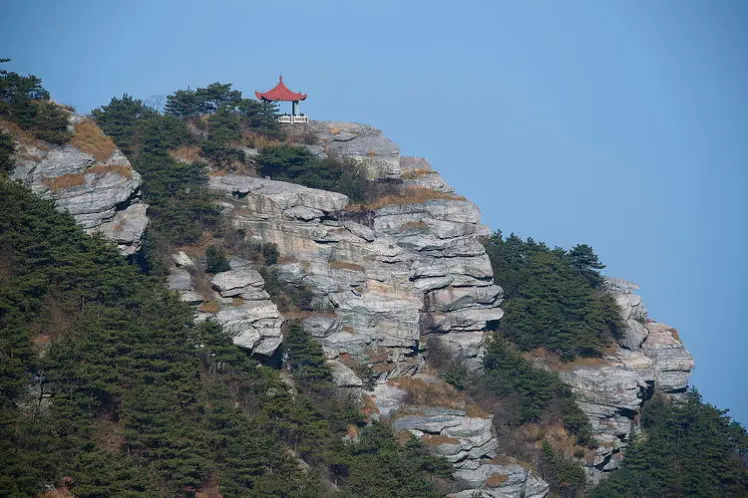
x=243 y=308
x=391 y=276
x=89 y=178
x=650 y=358
x=464 y=437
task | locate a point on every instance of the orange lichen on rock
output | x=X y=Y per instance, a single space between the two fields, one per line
x=89 y=138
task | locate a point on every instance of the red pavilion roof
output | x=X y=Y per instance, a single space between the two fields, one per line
x=280 y=93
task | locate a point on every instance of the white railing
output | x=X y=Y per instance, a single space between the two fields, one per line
x=287 y=119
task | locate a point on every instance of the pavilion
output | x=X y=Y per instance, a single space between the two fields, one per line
x=281 y=93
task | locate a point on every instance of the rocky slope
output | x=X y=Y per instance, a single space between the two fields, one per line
x=88 y=177
x=611 y=392
x=391 y=277
x=389 y=281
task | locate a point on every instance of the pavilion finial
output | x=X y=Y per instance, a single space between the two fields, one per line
x=280 y=77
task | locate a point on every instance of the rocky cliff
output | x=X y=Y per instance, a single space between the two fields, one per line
x=89 y=178
x=390 y=280
x=611 y=391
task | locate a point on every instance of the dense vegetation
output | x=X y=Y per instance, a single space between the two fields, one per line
x=181 y=207
x=552 y=297
x=26 y=103
x=690 y=449
x=143 y=402
x=6 y=153
x=298 y=165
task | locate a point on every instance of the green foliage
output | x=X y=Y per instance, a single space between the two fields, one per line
x=216 y=261
x=238 y=112
x=537 y=393
x=299 y=165
x=566 y=477
x=7 y=148
x=284 y=295
x=144 y=402
x=186 y=103
x=551 y=297
x=690 y=449
x=119 y=119
x=24 y=101
x=378 y=467
x=456 y=375
x=181 y=206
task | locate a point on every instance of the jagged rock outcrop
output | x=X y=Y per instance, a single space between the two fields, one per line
x=611 y=391
x=89 y=178
x=393 y=275
x=360 y=143
x=463 y=436
x=240 y=303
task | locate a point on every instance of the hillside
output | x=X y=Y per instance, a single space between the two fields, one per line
x=301 y=311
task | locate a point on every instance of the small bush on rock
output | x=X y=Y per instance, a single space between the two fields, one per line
x=216 y=261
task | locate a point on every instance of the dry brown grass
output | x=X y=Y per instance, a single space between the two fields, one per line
x=410 y=195
x=65 y=181
x=403 y=437
x=412 y=174
x=676 y=336
x=107 y=435
x=351 y=431
x=77 y=179
x=187 y=154
x=496 y=479
x=502 y=460
x=125 y=171
x=237 y=301
x=60 y=492
x=369 y=407
x=257 y=141
x=421 y=393
x=210 y=487
x=345 y=265
x=24 y=137
x=413 y=225
x=555 y=363
x=209 y=307
x=89 y=138
x=476 y=411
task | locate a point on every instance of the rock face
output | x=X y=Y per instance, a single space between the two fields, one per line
x=396 y=279
x=466 y=438
x=361 y=143
x=393 y=276
x=89 y=178
x=651 y=357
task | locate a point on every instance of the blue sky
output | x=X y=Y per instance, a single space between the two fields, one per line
x=619 y=124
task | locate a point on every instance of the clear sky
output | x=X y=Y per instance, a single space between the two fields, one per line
x=622 y=124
